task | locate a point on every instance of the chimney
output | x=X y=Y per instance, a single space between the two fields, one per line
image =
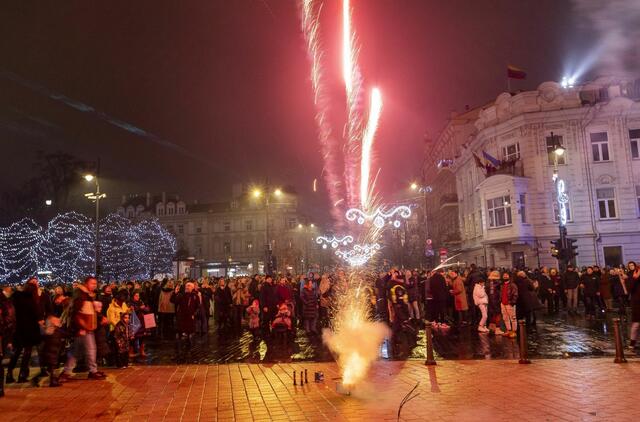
x=124 y=199
x=164 y=197
x=148 y=199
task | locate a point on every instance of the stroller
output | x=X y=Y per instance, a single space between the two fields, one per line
x=281 y=327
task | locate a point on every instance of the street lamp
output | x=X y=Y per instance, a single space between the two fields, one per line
x=258 y=193
x=48 y=202
x=95 y=196
x=562 y=199
x=424 y=190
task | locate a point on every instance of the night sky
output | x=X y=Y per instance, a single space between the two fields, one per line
x=222 y=91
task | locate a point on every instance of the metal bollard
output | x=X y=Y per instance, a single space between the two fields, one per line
x=294 y=378
x=306 y=379
x=618 y=339
x=427 y=332
x=524 y=358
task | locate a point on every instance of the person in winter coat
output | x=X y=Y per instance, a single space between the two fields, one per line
x=619 y=290
x=137 y=306
x=527 y=300
x=29 y=320
x=240 y=302
x=508 y=300
x=187 y=305
x=309 y=308
x=253 y=313
x=590 y=283
x=558 y=289
x=324 y=293
x=545 y=289
x=440 y=294
x=460 y=296
x=633 y=281
x=411 y=284
x=53 y=343
x=117 y=307
x=166 y=310
x=223 y=300
x=481 y=300
x=606 y=302
x=7 y=328
x=122 y=337
x=494 y=307
x=571 y=281
x=268 y=302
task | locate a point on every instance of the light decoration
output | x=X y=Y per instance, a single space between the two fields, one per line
x=65 y=249
x=359 y=254
x=379 y=216
x=334 y=241
x=563 y=199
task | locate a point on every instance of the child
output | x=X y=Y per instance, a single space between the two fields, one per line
x=121 y=337
x=53 y=339
x=481 y=300
x=253 y=312
x=283 y=317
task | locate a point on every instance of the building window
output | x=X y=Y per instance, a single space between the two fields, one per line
x=523 y=209
x=180 y=229
x=248 y=225
x=551 y=147
x=249 y=247
x=198 y=229
x=226 y=247
x=606 y=203
x=499 y=211
x=181 y=209
x=600 y=146
x=638 y=198
x=556 y=209
x=171 y=208
x=612 y=256
x=292 y=223
x=634 y=139
x=226 y=226
x=511 y=152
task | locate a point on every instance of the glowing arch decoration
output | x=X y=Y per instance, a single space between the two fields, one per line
x=334 y=241
x=380 y=217
x=359 y=254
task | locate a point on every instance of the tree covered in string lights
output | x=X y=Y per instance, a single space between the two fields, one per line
x=66 y=248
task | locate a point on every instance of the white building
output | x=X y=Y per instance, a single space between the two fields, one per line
x=231 y=237
x=509 y=217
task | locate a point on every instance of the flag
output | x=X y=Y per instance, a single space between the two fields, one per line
x=478 y=160
x=515 y=72
x=493 y=160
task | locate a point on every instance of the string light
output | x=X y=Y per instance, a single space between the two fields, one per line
x=360 y=254
x=380 y=216
x=334 y=241
x=66 y=248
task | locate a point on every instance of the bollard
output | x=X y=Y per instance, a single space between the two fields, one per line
x=524 y=358
x=427 y=333
x=618 y=339
x=294 y=378
x=306 y=379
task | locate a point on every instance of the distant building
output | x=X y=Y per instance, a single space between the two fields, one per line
x=230 y=237
x=508 y=212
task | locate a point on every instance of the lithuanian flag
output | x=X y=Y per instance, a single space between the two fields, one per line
x=515 y=72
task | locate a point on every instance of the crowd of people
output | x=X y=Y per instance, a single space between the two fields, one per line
x=101 y=324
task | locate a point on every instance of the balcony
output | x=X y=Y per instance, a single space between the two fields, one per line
x=448 y=200
x=509 y=168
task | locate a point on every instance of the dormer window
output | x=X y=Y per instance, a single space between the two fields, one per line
x=171 y=208
x=160 y=209
x=181 y=208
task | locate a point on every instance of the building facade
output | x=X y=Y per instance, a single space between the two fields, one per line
x=508 y=210
x=231 y=237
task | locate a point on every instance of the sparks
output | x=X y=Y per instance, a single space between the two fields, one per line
x=347 y=47
x=375 y=109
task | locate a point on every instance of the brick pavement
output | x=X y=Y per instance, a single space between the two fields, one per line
x=495 y=390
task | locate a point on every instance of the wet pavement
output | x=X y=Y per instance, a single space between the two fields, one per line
x=553 y=337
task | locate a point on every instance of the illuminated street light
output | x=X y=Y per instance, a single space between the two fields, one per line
x=414 y=186
x=300 y=225
x=89 y=177
x=312 y=225
x=277 y=192
x=559 y=151
x=48 y=202
x=257 y=193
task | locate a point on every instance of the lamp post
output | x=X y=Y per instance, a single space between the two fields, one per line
x=258 y=193
x=96 y=196
x=424 y=190
x=562 y=199
x=305 y=230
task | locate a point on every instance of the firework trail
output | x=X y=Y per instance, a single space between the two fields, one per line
x=330 y=147
x=367 y=143
x=353 y=88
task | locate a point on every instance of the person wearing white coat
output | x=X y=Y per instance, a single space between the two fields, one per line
x=481 y=300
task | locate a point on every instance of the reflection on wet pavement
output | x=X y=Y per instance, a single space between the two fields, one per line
x=553 y=337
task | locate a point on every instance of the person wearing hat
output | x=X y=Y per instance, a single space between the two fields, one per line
x=508 y=300
x=117 y=307
x=493 y=308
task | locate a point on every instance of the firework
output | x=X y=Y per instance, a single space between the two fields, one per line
x=367 y=143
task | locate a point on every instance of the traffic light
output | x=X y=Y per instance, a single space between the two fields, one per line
x=572 y=248
x=556 y=249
